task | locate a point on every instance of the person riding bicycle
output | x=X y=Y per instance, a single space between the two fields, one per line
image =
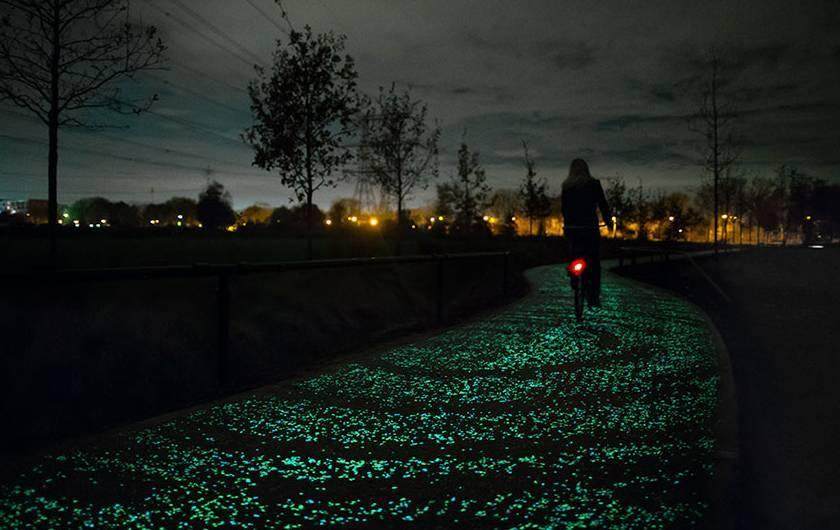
x=582 y=195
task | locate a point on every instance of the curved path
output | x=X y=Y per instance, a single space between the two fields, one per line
x=520 y=419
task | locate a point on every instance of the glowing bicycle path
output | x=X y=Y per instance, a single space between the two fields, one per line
x=522 y=419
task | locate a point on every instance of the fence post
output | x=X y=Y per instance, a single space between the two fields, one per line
x=223 y=299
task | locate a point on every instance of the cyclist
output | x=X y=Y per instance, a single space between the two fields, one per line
x=582 y=195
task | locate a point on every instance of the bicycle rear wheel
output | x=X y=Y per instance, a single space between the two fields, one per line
x=579 y=297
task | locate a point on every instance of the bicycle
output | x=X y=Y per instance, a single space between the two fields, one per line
x=579 y=284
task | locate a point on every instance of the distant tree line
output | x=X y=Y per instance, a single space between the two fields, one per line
x=786 y=207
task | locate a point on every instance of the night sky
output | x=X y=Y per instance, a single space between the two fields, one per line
x=609 y=82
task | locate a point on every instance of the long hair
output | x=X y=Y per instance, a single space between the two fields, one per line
x=578 y=174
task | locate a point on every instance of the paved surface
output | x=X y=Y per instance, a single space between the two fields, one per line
x=521 y=419
x=782 y=329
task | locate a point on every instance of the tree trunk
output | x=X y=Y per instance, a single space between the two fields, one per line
x=52 y=164
x=309 y=194
x=715 y=148
x=309 y=222
x=399 y=235
x=309 y=187
x=52 y=177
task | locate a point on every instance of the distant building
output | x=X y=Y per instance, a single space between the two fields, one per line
x=13 y=207
x=35 y=211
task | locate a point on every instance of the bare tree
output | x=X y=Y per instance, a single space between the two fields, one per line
x=399 y=148
x=535 y=202
x=59 y=57
x=641 y=209
x=761 y=204
x=303 y=112
x=794 y=192
x=467 y=191
x=714 y=120
x=620 y=201
x=504 y=205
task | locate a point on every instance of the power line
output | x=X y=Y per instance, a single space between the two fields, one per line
x=197 y=94
x=92 y=152
x=92 y=193
x=76 y=175
x=199 y=33
x=195 y=126
x=166 y=150
x=199 y=73
x=216 y=31
x=268 y=17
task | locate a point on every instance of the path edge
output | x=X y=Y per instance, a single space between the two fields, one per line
x=720 y=488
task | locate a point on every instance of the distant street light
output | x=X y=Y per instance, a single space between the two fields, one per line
x=374 y=221
x=671 y=218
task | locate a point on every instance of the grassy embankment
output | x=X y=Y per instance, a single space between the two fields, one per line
x=80 y=356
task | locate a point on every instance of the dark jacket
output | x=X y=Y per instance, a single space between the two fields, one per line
x=579 y=204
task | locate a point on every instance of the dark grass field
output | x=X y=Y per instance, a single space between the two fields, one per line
x=80 y=356
x=115 y=249
x=783 y=331
x=138 y=248
x=27 y=250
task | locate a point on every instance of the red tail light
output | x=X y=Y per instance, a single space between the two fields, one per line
x=577 y=267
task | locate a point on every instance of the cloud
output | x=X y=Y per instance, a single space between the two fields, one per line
x=573 y=57
x=622 y=122
x=663 y=93
x=747 y=94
